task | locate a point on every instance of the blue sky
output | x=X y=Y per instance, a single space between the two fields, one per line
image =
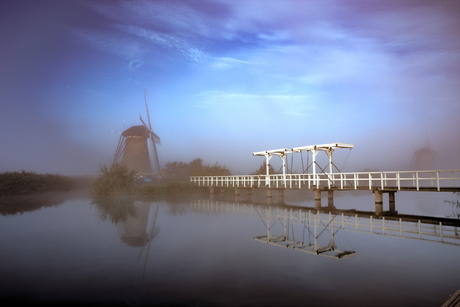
x=227 y=78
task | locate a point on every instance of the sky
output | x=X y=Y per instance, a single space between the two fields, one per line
x=226 y=78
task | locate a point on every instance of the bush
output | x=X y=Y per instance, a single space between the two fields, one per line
x=14 y=183
x=114 y=180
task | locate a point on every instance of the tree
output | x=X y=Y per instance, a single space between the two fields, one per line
x=263 y=169
x=177 y=170
x=215 y=170
x=182 y=171
x=195 y=168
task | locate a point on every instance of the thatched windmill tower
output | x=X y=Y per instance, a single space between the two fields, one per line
x=133 y=148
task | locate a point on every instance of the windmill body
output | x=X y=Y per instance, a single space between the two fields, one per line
x=133 y=148
x=136 y=150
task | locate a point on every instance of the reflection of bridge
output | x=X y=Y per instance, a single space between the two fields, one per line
x=299 y=222
x=322 y=180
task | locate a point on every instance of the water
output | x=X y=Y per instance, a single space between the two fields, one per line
x=201 y=253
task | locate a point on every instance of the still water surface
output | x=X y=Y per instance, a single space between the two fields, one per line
x=206 y=253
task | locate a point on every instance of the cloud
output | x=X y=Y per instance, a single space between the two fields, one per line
x=275 y=105
x=227 y=63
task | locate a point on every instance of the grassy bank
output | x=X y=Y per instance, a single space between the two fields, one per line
x=171 y=188
x=24 y=183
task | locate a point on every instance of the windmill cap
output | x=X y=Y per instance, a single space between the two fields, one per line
x=136 y=131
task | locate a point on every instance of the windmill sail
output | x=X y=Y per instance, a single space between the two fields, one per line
x=153 y=137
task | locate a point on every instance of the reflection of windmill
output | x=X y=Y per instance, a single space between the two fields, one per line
x=133 y=149
x=139 y=230
x=423 y=158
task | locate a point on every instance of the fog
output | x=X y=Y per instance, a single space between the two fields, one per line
x=225 y=79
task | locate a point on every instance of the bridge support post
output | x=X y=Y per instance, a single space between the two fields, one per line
x=211 y=193
x=317 y=198
x=378 y=202
x=391 y=198
x=280 y=195
x=237 y=191
x=330 y=198
x=269 y=193
x=248 y=192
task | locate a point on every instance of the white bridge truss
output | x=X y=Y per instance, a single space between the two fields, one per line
x=429 y=180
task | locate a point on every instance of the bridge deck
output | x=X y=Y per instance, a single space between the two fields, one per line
x=438 y=180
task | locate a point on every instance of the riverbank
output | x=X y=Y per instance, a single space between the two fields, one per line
x=26 y=183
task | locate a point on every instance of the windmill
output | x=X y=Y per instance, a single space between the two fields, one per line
x=423 y=158
x=133 y=148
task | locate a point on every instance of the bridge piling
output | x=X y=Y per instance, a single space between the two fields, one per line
x=317 y=198
x=379 y=201
x=391 y=200
x=330 y=198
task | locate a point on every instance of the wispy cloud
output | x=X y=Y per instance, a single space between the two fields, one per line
x=290 y=105
x=227 y=63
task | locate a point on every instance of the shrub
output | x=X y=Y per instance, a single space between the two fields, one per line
x=114 y=180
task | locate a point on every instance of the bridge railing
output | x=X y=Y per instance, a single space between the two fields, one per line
x=437 y=179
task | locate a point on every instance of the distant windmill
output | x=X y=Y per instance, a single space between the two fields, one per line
x=423 y=158
x=133 y=149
